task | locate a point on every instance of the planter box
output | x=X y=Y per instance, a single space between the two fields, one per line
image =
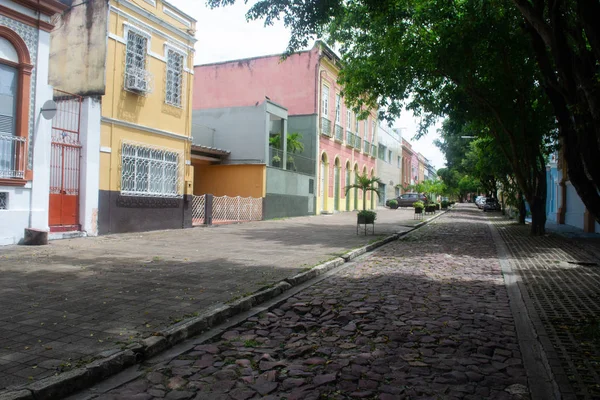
x=361 y=220
x=418 y=211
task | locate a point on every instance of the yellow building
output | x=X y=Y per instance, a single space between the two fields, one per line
x=133 y=62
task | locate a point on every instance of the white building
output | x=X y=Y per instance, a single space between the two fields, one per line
x=389 y=162
x=25 y=136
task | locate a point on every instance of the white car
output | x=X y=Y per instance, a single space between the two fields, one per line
x=480 y=201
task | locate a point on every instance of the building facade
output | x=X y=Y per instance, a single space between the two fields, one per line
x=25 y=144
x=336 y=142
x=133 y=71
x=407 y=169
x=389 y=163
x=563 y=204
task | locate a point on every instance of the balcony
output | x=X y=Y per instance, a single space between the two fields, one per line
x=349 y=139
x=357 y=142
x=325 y=127
x=12 y=156
x=373 y=151
x=367 y=147
x=339 y=133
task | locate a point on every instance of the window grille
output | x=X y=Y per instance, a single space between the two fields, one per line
x=355 y=123
x=349 y=120
x=3 y=200
x=150 y=171
x=338 y=109
x=174 y=94
x=137 y=78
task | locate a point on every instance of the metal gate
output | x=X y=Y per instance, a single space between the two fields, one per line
x=65 y=163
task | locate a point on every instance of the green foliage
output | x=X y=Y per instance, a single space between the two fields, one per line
x=419 y=204
x=393 y=203
x=365 y=184
x=294 y=142
x=368 y=215
x=445 y=204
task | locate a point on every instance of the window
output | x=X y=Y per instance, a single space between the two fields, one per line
x=149 y=172
x=381 y=152
x=373 y=127
x=349 y=119
x=3 y=200
x=15 y=79
x=338 y=109
x=311 y=186
x=174 y=78
x=325 y=102
x=135 y=62
x=8 y=105
x=355 y=123
x=389 y=159
x=399 y=158
x=366 y=130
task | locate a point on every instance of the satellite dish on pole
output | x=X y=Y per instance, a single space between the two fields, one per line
x=49 y=109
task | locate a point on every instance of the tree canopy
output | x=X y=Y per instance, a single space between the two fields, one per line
x=466 y=60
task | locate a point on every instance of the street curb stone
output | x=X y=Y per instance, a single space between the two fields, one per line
x=59 y=386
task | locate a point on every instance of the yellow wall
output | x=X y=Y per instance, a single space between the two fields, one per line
x=229 y=180
x=148 y=119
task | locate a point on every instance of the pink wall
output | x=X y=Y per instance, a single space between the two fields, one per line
x=333 y=150
x=290 y=83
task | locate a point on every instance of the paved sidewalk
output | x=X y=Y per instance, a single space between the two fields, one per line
x=562 y=279
x=425 y=317
x=64 y=303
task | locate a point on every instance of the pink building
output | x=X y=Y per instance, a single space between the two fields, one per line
x=335 y=140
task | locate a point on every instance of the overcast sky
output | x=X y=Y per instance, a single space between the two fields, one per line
x=224 y=34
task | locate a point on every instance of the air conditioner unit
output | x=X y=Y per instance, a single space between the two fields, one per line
x=136 y=83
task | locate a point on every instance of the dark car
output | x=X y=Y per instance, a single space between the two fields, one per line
x=407 y=199
x=491 y=204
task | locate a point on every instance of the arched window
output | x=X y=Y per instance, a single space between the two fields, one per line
x=15 y=84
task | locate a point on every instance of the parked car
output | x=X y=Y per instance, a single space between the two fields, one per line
x=480 y=201
x=407 y=199
x=491 y=204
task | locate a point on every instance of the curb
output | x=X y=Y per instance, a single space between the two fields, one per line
x=66 y=383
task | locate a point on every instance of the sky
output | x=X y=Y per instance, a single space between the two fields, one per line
x=224 y=34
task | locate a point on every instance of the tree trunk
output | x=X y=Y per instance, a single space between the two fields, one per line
x=538 y=217
x=364 y=199
x=522 y=209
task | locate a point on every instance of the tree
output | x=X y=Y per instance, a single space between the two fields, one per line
x=293 y=142
x=365 y=184
x=566 y=43
x=438 y=59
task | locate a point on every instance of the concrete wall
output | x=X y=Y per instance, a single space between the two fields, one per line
x=230 y=180
x=239 y=83
x=241 y=130
x=90 y=165
x=78 y=50
x=288 y=194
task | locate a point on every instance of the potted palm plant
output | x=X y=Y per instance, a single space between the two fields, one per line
x=294 y=145
x=365 y=184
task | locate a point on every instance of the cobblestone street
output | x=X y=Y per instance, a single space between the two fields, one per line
x=423 y=317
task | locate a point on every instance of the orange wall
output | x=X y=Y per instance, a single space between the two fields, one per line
x=229 y=180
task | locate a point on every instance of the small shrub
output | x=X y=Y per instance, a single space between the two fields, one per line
x=393 y=203
x=445 y=204
x=419 y=204
x=367 y=215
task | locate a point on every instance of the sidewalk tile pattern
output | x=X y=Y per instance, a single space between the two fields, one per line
x=563 y=282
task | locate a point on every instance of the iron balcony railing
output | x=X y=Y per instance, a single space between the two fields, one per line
x=325 y=127
x=12 y=156
x=349 y=139
x=357 y=142
x=339 y=133
x=367 y=146
x=373 y=151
